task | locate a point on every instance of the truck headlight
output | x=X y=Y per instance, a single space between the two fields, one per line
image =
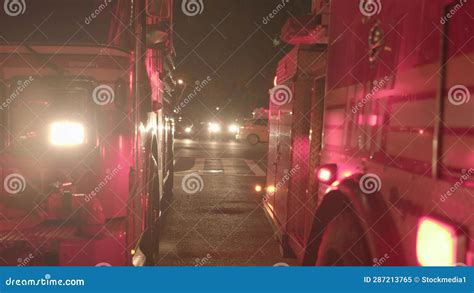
x=66 y=133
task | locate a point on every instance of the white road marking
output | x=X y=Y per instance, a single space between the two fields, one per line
x=230 y=166
x=255 y=168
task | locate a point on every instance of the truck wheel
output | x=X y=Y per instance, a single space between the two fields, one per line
x=343 y=243
x=150 y=244
x=253 y=139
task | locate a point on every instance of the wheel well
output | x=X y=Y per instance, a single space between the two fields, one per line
x=332 y=205
x=375 y=217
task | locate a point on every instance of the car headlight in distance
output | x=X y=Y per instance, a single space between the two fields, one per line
x=214 y=127
x=188 y=130
x=233 y=128
x=66 y=133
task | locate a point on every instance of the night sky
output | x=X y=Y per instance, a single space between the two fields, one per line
x=230 y=43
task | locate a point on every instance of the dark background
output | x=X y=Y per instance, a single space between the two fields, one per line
x=226 y=43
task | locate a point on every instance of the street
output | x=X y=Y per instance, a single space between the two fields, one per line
x=224 y=224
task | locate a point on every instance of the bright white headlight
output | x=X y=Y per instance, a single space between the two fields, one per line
x=233 y=128
x=214 y=128
x=66 y=133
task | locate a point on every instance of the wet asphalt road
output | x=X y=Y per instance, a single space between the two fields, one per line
x=217 y=219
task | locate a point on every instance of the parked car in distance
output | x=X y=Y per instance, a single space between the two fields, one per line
x=254 y=131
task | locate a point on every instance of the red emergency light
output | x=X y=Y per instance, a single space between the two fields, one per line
x=438 y=244
x=327 y=173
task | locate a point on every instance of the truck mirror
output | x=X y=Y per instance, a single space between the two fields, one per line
x=160 y=9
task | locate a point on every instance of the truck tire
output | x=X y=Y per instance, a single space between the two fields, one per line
x=150 y=242
x=253 y=139
x=343 y=243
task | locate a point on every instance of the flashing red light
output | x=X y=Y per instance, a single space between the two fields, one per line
x=436 y=243
x=372 y=120
x=325 y=175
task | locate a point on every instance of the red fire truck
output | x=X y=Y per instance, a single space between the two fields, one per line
x=371 y=135
x=86 y=135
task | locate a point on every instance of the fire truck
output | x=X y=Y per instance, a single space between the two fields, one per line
x=86 y=157
x=371 y=132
